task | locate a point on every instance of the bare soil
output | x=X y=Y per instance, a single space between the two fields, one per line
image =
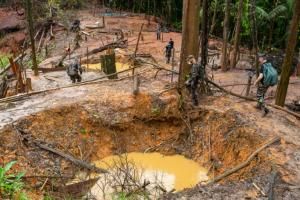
x=94 y=121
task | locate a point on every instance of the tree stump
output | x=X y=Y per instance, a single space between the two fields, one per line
x=108 y=63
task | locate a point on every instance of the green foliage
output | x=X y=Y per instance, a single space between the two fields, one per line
x=47 y=197
x=120 y=196
x=4 y=60
x=133 y=196
x=39 y=58
x=69 y=3
x=11 y=184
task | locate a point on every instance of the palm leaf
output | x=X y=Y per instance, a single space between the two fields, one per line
x=278 y=11
x=261 y=13
x=290 y=5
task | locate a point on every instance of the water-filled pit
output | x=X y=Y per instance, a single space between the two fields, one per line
x=173 y=172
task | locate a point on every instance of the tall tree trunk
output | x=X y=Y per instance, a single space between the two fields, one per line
x=31 y=35
x=190 y=33
x=289 y=54
x=272 y=27
x=204 y=88
x=204 y=33
x=234 y=60
x=213 y=23
x=254 y=33
x=224 y=57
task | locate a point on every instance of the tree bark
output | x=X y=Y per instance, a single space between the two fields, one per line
x=272 y=27
x=204 y=33
x=190 y=33
x=31 y=35
x=287 y=63
x=234 y=60
x=254 y=34
x=224 y=57
x=213 y=23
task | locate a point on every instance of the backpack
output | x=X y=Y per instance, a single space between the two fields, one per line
x=270 y=75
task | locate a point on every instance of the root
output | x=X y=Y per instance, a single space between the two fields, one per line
x=244 y=164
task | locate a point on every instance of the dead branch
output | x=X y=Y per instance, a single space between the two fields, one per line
x=68 y=157
x=51 y=32
x=245 y=163
x=37 y=33
x=41 y=39
x=157 y=66
x=85 y=33
x=253 y=99
x=138 y=41
x=49 y=177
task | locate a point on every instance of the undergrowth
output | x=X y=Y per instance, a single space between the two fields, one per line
x=11 y=185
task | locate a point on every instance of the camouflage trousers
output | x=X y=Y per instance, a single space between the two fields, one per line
x=75 y=78
x=192 y=85
x=260 y=95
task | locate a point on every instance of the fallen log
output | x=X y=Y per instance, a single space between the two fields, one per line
x=245 y=163
x=93 y=26
x=68 y=157
x=94 y=81
x=113 y=45
x=253 y=99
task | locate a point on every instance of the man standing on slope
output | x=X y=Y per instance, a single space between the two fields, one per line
x=267 y=77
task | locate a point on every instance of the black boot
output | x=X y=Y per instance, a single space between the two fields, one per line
x=266 y=111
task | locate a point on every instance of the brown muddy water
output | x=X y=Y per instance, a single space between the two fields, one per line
x=172 y=172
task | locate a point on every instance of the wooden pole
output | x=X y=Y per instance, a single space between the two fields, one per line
x=69 y=51
x=87 y=59
x=31 y=32
x=173 y=65
x=248 y=85
x=137 y=45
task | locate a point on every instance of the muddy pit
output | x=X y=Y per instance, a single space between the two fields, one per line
x=213 y=140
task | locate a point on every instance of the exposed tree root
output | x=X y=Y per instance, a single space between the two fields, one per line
x=244 y=164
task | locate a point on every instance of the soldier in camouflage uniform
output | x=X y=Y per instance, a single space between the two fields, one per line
x=261 y=87
x=73 y=71
x=197 y=73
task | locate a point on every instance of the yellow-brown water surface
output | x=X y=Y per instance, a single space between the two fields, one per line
x=176 y=171
x=120 y=66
